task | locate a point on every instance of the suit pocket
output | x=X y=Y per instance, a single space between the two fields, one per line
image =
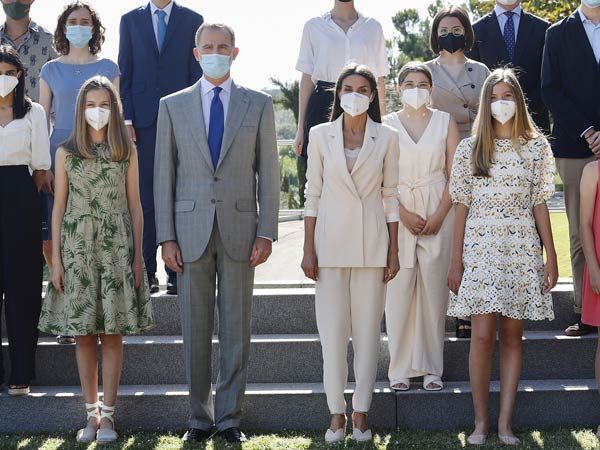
x=184 y=206
x=245 y=205
x=138 y=88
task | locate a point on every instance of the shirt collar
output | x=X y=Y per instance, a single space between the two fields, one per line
x=207 y=86
x=32 y=27
x=360 y=21
x=584 y=19
x=167 y=9
x=499 y=10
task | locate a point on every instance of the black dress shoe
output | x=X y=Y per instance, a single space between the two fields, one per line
x=153 y=282
x=172 y=285
x=232 y=435
x=196 y=435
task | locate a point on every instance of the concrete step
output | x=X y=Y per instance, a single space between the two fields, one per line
x=303 y=407
x=297 y=358
x=291 y=310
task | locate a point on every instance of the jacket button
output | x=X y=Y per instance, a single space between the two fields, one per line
x=216 y=178
x=470 y=69
x=472 y=86
x=465 y=105
x=213 y=201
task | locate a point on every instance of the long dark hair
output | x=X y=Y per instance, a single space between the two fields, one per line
x=62 y=44
x=374 y=112
x=21 y=103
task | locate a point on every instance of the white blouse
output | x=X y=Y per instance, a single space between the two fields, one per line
x=25 y=142
x=325 y=48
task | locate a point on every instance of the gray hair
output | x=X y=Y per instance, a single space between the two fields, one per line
x=215 y=26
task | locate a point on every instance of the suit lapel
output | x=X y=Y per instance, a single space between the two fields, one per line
x=173 y=25
x=336 y=147
x=581 y=37
x=199 y=131
x=450 y=85
x=523 y=35
x=497 y=37
x=369 y=142
x=238 y=105
x=148 y=28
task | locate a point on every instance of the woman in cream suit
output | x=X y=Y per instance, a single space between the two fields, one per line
x=350 y=244
x=457 y=82
x=417 y=298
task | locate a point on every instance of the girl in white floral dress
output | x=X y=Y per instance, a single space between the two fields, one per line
x=501 y=179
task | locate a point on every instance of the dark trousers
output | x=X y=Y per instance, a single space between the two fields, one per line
x=301 y=164
x=318 y=109
x=146 y=144
x=20 y=270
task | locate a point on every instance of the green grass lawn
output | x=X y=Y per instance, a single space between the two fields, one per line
x=560 y=231
x=555 y=439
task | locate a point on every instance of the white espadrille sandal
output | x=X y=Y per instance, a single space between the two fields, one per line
x=88 y=434
x=106 y=435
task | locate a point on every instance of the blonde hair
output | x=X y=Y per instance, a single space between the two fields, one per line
x=484 y=148
x=119 y=140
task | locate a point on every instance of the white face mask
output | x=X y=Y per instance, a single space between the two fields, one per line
x=503 y=110
x=591 y=3
x=8 y=84
x=415 y=97
x=97 y=118
x=354 y=103
x=507 y=2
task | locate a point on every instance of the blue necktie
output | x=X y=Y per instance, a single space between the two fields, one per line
x=162 y=27
x=216 y=126
x=509 y=35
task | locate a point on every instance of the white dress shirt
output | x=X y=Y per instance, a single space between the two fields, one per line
x=25 y=142
x=593 y=33
x=325 y=48
x=153 y=8
x=502 y=18
x=207 y=96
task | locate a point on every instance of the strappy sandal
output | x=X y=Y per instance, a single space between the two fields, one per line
x=435 y=380
x=88 y=434
x=463 y=329
x=361 y=436
x=106 y=435
x=396 y=386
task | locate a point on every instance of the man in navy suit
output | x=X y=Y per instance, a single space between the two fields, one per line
x=571 y=89
x=156 y=58
x=509 y=36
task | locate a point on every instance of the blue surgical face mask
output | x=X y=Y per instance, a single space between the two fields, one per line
x=79 y=36
x=591 y=3
x=214 y=65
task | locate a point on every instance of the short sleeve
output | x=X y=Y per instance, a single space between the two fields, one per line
x=461 y=179
x=381 y=66
x=306 y=58
x=46 y=73
x=40 y=142
x=113 y=70
x=542 y=187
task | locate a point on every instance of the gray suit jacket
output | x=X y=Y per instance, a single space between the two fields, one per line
x=188 y=191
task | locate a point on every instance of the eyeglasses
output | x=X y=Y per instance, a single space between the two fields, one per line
x=456 y=31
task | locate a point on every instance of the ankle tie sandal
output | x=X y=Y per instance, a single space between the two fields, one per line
x=88 y=434
x=106 y=435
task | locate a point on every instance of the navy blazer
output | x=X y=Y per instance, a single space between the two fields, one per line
x=147 y=75
x=489 y=48
x=571 y=86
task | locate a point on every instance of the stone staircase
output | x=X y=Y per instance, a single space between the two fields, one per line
x=285 y=374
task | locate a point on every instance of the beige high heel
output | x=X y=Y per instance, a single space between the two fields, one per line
x=88 y=434
x=106 y=435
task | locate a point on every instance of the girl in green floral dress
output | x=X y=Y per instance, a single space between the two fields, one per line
x=99 y=289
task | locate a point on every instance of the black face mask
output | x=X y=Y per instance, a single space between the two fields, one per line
x=451 y=43
x=345 y=1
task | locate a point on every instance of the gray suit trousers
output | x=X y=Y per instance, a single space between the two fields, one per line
x=234 y=303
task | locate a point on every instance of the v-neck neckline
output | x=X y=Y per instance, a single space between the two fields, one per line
x=425 y=130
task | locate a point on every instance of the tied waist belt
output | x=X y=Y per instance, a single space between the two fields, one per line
x=414 y=195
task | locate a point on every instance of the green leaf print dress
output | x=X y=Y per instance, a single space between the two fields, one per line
x=97 y=254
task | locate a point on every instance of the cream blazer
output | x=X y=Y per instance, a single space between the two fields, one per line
x=459 y=98
x=352 y=208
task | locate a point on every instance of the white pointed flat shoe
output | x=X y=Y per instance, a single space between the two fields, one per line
x=509 y=440
x=107 y=435
x=477 y=439
x=359 y=436
x=88 y=434
x=332 y=437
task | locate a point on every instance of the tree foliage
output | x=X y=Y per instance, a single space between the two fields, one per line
x=290 y=94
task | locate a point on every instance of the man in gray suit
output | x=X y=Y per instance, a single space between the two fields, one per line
x=216 y=154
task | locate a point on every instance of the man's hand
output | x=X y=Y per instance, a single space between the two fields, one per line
x=261 y=250
x=171 y=255
x=131 y=130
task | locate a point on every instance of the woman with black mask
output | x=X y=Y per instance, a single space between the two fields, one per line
x=457 y=83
